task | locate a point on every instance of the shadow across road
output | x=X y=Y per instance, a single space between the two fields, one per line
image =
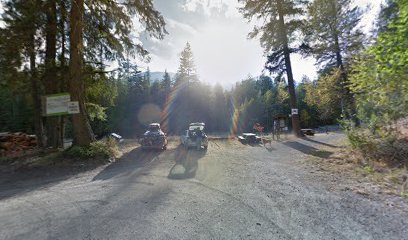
x=128 y=163
x=186 y=163
x=321 y=143
x=309 y=150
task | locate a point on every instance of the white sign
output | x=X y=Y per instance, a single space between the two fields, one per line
x=73 y=107
x=57 y=104
x=294 y=111
x=282 y=123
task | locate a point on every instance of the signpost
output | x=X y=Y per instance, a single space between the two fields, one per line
x=59 y=104
x=295 y=111
x=56 y=104
x=73 y=107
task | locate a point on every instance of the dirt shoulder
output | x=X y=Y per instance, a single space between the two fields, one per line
x=346 y=170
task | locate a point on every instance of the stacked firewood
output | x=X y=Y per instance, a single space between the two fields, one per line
x=16 y=143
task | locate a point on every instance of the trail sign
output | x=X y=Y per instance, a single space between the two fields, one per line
x=56 y=104
x=295 y=111
x=73 y=107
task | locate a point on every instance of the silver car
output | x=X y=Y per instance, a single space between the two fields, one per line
x=195 y=136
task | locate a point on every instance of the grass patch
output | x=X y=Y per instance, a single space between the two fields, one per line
x=367 y=170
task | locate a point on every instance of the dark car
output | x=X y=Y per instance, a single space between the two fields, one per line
x=307 y=131
x=154 y=138
x=249 y=138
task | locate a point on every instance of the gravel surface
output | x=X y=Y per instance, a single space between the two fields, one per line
x=232 y=191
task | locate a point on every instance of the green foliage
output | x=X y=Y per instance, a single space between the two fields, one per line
x=96 y=112
x=15 y=112
x=358 y=138
x=379 y=79
x=186 y=72
x=379 y=146
x=388 y=13
x=368 y=170
x=109 y=25
x=99 y=150
x=325 y=94
x=279 y=32
x=331 y=29
x=309 y=114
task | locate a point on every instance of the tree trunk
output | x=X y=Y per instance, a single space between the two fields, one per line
x=346 y=96
x=51 y=82
x=82 y=131
x=35 y=94
x=63 y=67
x=289 y=73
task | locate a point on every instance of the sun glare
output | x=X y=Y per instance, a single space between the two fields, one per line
x=223 y=54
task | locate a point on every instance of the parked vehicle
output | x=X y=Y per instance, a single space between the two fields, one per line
x=195 y=136
x=307 y=131
x=249 y=138
x=154 y=138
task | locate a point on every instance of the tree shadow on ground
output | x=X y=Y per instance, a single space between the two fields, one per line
x=308 y=149
x=321 y=143
x=186 y=163
x=27 y=179
x=128 y=163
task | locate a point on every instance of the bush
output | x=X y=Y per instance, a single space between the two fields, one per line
x=378 y=146
x=99 y=150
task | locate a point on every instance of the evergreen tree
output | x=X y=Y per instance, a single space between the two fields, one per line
x=220 y=110
x=277 y=35
x=334 y=37
x=388 y=13
x=186 y=73
x=100 y=18
x=53 y=128
x=379 y=77
x=21 y=39
x=166 y=83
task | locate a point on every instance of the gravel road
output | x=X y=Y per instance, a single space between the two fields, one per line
x=232 y=191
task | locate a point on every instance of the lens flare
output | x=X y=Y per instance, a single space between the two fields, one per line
x=169 y=105
x=234 y=118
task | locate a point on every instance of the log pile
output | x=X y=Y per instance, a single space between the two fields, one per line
x=16 y=143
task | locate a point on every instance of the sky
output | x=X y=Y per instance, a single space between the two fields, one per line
x=218 y=33
x=1 y=12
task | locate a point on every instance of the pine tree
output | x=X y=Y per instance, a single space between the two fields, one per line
x=166 y=83
x=20 y=38
x=186 y=73
x=53 y=128
x=104 y=44
x=334 y=37
x=278 y=33
x=82 y=130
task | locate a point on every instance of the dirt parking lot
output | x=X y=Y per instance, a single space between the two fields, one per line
x=231 y=191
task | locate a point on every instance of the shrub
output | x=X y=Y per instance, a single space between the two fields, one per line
x=99 y=150
x=378 y=146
